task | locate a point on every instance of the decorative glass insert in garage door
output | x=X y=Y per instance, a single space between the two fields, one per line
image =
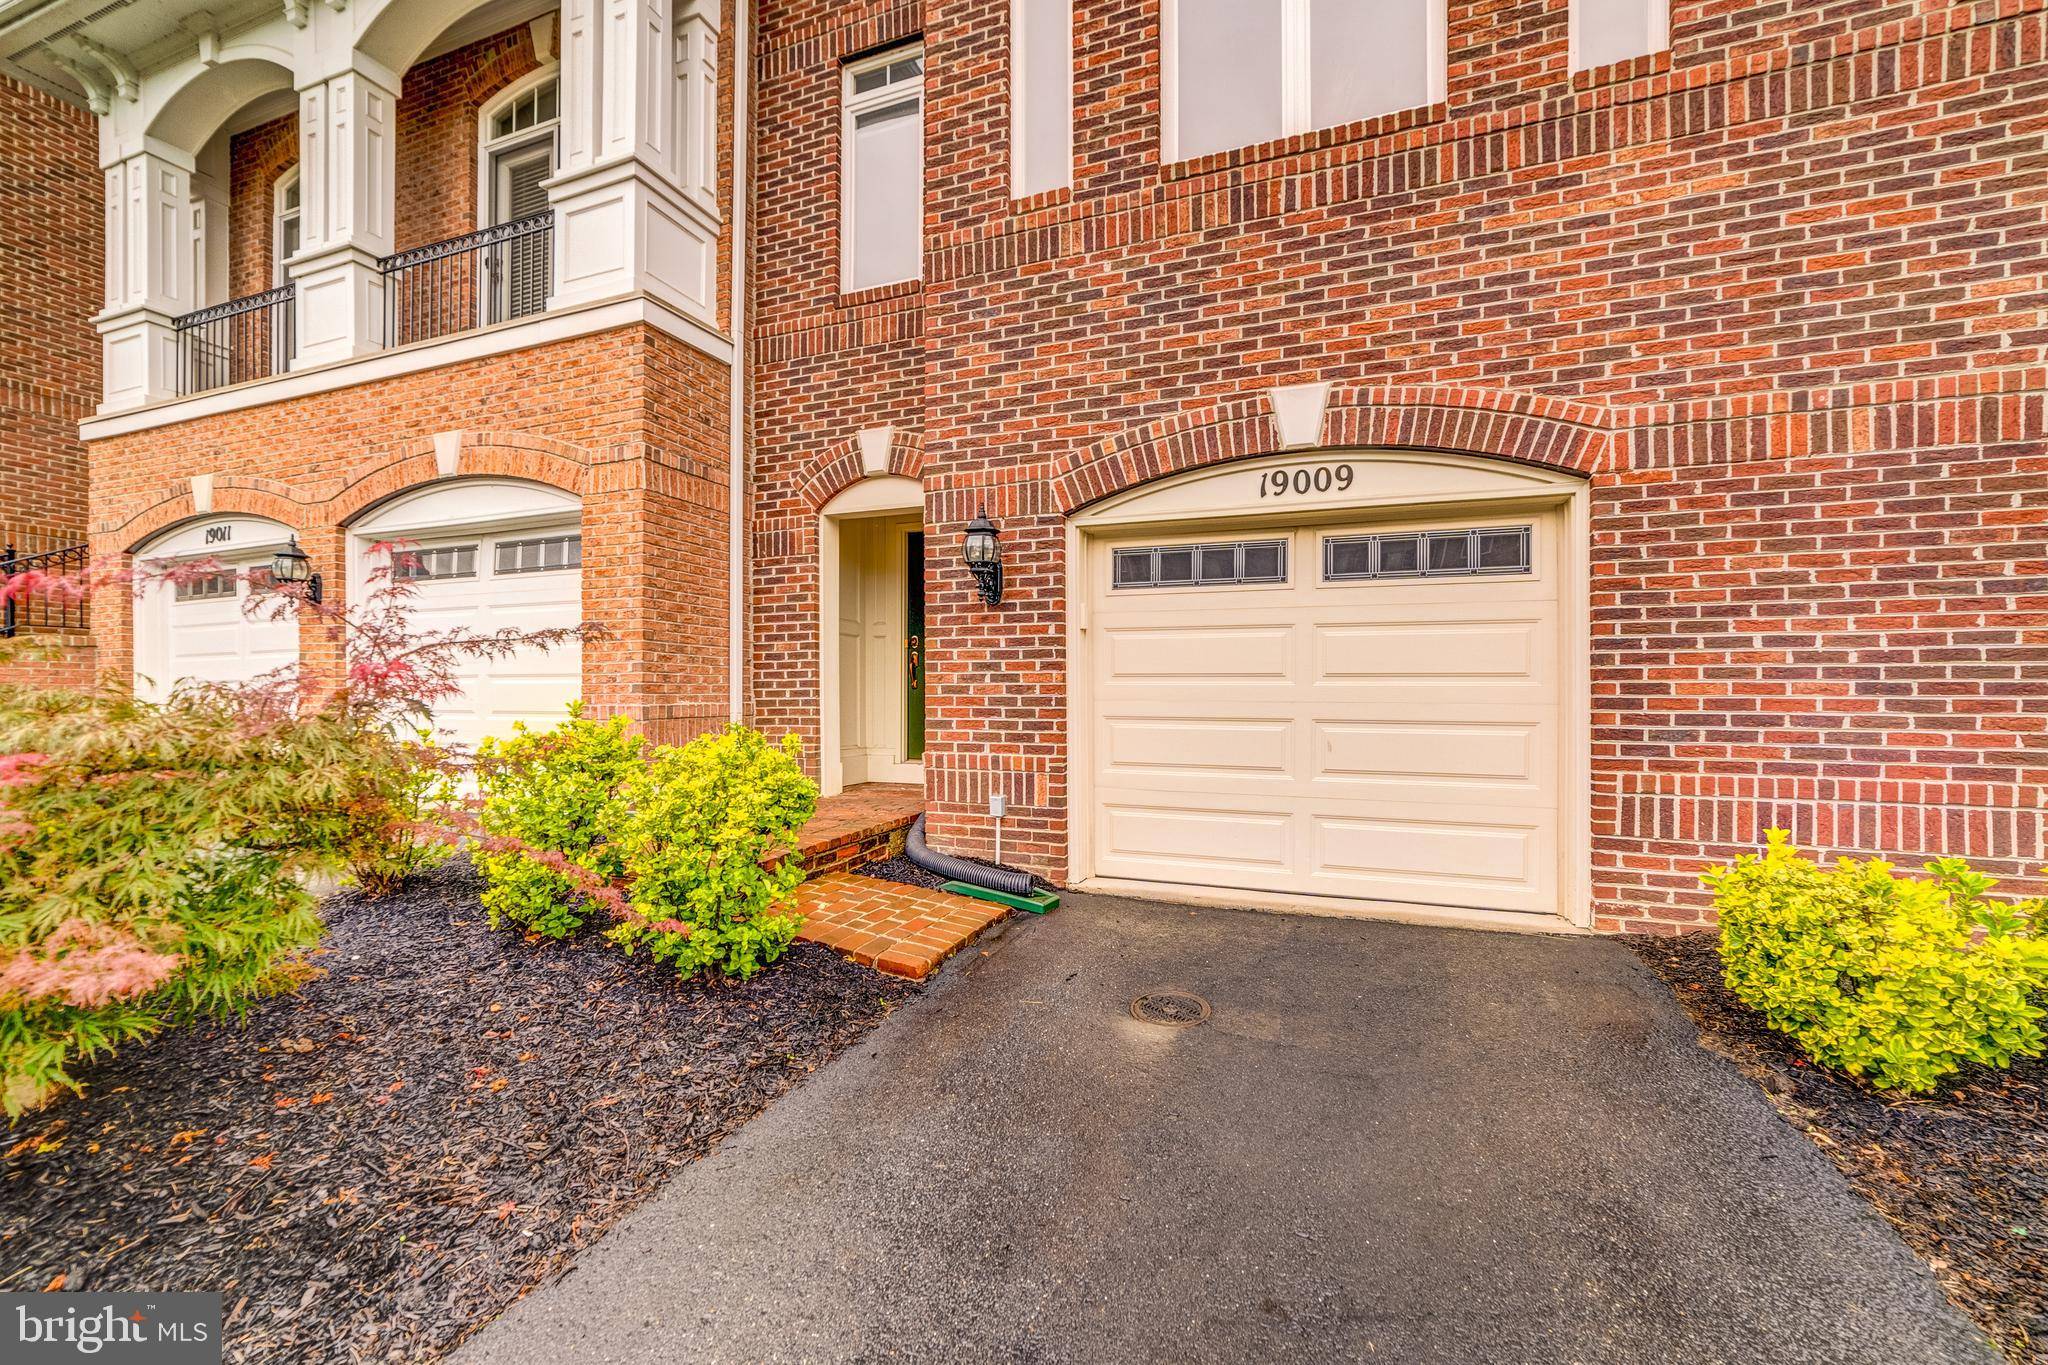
x=1200 y=566
x=1465 y=553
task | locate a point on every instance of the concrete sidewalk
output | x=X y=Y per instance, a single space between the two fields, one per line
x=1388 y=1142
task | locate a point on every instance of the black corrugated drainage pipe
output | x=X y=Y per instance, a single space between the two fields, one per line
x=962 y=869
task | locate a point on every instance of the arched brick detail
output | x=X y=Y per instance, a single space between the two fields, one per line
x=229 y=499
x=479 y=454
x=1554 y=433
x=838 y=467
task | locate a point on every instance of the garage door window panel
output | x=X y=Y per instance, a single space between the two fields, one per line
x=1480 y=551
x=1216 y=565
x=545 y=555
x=206 y=587
x=441 y=562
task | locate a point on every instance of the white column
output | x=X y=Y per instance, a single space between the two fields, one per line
x=635 y=203
x=149 y=274
x=347 y=166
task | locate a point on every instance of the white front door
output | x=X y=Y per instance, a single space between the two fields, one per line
x=1369 y=711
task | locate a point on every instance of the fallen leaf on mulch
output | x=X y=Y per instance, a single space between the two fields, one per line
x=352 y=1222
x=1961 y=1175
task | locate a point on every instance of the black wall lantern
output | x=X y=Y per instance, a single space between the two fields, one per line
x=984 y=558
x=291 y=565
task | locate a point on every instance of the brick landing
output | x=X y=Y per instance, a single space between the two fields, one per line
x=902 y=930
x=859 y=825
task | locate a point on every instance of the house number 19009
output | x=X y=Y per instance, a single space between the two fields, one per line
x=1281 y=483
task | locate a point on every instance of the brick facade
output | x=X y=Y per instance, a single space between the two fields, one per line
x=50 y=285
x=1777 y=293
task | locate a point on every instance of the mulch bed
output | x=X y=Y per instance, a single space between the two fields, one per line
x=378 y=1164
x=1962 y=1174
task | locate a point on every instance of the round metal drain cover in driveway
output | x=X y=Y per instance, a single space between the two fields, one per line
x=1176 y=1009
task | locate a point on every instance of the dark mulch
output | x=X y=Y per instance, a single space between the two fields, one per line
x=1962 y=1174
x=901 y=869
x=376 y=1165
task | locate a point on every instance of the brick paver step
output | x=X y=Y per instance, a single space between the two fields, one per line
x=898 y=929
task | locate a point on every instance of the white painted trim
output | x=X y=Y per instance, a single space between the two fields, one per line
x=1298 y=413
x=1020 y=90
x=426 y=508
x=1297 y=48
x=739 y=468
x=1660 y=31
x=1470 y=481
x=280 y=272
x=888 y=495
x=1336 y=907
x=539 y=330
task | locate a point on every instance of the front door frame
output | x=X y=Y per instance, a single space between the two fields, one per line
x=878 y=496
x=1395 y=481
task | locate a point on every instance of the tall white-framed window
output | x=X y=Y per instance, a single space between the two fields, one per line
x=881 y=173
x=1041 y=96
x=1606 y=31
x=286 y=232
x=519 y=151
x=1238 y=74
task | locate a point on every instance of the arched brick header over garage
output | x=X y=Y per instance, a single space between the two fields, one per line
x=231 y=496
x=1550 y=432
x=461 y=454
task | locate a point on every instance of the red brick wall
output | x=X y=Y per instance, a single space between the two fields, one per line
x=437 y=133
x=1788 y=279
x=51 y=275
x=631 y=420
x=256 y=160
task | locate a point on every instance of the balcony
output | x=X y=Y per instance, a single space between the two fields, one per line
x=501 y=274
x=235 y=342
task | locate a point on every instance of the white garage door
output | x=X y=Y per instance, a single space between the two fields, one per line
x=1366 y=712
x=485 y=555
x=201 y=630
x=529 y=580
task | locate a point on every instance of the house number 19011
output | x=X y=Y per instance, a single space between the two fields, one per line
x=1282 y=483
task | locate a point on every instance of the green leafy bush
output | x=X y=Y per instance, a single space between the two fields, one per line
x=1899 y=980
x=551 y=806
x=153 y=862
x=402 y=789
x=701 y=818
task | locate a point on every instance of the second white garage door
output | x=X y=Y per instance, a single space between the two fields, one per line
x=1366 y=712
x=485 y=555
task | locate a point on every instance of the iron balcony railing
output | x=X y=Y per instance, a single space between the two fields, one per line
x=34 y=612
x=486 y=277
x=234 y=342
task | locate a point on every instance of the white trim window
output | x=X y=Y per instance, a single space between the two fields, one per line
x=1609 y=31
x=286 y=233
x=1239 y=74
x=881 y=210
x=1041 y=96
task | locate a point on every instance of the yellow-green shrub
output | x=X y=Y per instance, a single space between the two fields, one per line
x=1899 y=980
x=551 y=800
x=701 y=819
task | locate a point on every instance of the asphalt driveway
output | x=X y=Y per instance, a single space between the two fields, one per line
x=1387 y=1142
